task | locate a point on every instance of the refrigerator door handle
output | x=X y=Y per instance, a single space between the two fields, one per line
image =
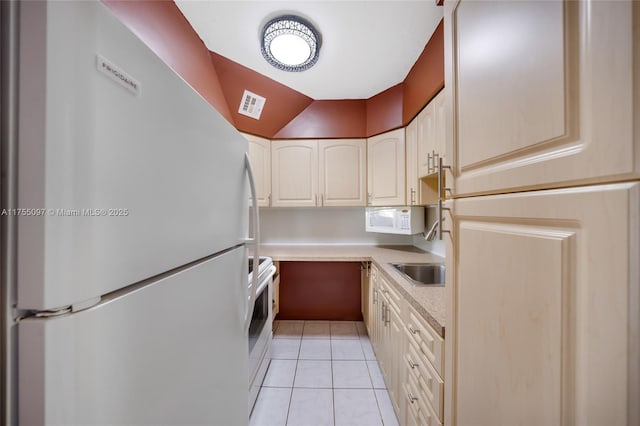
x=256 y=241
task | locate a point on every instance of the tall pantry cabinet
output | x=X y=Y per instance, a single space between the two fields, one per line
x=543 y=249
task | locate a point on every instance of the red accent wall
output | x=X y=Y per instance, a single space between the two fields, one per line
x=320 y=291
x=287 y=113
x=384 y=111
x=283 y=104
x=328 y=119
x=426 y=77
x=162 y=27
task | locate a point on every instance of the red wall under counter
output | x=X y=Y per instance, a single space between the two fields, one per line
x=320 y=291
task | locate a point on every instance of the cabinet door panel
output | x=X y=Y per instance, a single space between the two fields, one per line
x=530 y=108
x=439 y=112
x=411 y=157
x=294 y=173
x=260 y=155
x=541 y=328
x=386 y=169
x=426 y=139
x=342 y=178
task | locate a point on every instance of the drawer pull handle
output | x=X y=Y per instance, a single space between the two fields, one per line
x=411 y=398
x=411 y=363
x=413 y=331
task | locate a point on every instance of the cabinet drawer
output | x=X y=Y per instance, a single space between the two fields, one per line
x=429 y=382
x=391 y=293
x=418 y=405
x=426 y=339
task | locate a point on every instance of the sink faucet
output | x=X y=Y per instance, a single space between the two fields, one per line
x=429 y=236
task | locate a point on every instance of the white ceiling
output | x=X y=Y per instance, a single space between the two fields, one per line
x=367 y=46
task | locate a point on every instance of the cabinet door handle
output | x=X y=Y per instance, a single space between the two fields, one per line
x=369 y=198
x=412 y=330
x=413 y=193
x=386 y=319
x=384 y=310
x=429 y=166
x=441 y=197
x=411 y=363
x=411 y=398
x=434 y=162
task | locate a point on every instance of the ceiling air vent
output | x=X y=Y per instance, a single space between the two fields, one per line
x=251 y=105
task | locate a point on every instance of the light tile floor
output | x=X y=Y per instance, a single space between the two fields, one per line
x=322 y=373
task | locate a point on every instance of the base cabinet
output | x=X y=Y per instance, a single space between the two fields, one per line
x=422 y=362
x=373 y=319
x=410 y=354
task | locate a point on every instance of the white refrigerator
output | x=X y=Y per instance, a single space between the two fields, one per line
x=125 y=224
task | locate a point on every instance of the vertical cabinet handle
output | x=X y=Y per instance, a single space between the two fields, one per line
x=436 y=158
x=441 y=197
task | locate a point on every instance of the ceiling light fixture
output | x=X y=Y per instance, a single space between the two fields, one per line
x=290 y=43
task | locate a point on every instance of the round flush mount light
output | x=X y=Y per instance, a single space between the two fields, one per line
x=290 y=43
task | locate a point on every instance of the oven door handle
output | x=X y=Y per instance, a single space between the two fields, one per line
x=256 y=241
x=267 y=277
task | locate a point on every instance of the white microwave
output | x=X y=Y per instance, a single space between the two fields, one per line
x=395 y=220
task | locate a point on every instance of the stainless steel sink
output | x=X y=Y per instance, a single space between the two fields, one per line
x=422 y=273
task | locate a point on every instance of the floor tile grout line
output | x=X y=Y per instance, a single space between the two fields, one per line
x=333 y=392
x=331 y=360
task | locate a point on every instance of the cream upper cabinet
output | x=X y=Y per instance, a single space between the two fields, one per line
x=543 y=308
x=431 y=135
x=439 y=133
x=426 y=139
x=411 y=162
x=312 y=173
x=342 y=172
x=386 y=169
x=294 y=176
x=260 y=156
x=537 y=92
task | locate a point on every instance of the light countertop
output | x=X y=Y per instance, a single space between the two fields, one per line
x=429 y=301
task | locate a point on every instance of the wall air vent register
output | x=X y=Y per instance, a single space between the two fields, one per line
x=251 y=105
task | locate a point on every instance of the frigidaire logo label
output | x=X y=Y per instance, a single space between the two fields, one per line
x=116 y=74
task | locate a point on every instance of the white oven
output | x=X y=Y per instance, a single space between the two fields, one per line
x=260 y=327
